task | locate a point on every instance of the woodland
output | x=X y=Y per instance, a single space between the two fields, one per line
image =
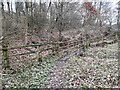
x=59 y=44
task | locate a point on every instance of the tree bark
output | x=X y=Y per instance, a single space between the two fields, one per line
x=8 y=4
x=11 y=9
x=118 y=23
x=1 y=31
x=27 y=23
x=60 y=21
x=5 y=55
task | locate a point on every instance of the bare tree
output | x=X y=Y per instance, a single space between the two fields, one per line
x=4 y=40
x=1 y=32
x=118 y=22
x=27 y=23
x=8 y=4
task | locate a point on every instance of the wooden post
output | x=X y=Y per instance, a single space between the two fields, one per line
x=39 y=56
x=55 y=49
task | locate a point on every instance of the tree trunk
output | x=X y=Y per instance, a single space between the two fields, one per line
x=118 y=23
x=5 y=56
x=8 y=4
x=1 y=32
x=17 y=11
x=27 y=23
x=32 y=17
x=100 y=20
x=60 y=20
x=11 y=9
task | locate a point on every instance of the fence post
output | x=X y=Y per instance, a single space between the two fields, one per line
x=39 y=56
x=55 y=49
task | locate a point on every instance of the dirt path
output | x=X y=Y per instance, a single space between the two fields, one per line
x=57 y=77
x=86 y=71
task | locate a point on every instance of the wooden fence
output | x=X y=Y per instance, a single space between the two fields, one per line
x=56 y=47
